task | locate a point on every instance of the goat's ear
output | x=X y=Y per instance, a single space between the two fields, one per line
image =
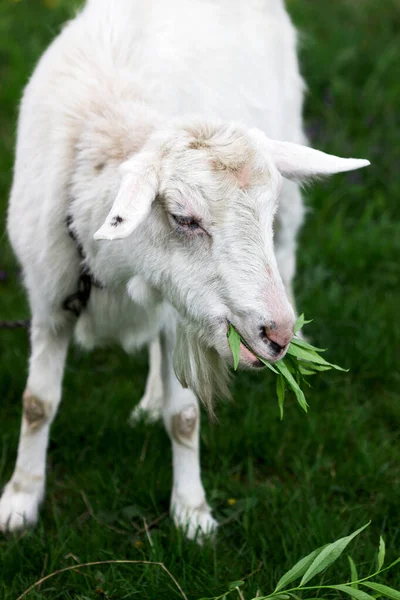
x=295 y=161
x=137 y=191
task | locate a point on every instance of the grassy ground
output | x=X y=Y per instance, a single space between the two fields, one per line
x=279 y=488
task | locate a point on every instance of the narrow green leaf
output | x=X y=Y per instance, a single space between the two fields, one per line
x=353 y=571
x=311 y=356
x=234 y=343
x=305 y=382
x=236 y=584
x=307 y=372
x=306 y=345
x=382 y=589
x=267 y=364
x=351 y=591
x=328 y=556
x=283 y=369
x=293 y=365
x=275 y=597
x=315 y=368
x=381 y=553
x=298 y=570
x=304 y=354
x=298 y=324
x=280 y=391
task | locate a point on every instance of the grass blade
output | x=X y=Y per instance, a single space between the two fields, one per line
x=329 y=554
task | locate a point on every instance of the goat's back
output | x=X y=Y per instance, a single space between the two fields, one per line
x=225 y=58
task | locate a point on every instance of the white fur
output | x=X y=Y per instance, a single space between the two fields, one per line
x=139 y=111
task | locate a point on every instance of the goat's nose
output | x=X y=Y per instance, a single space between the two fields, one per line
x=277 y=336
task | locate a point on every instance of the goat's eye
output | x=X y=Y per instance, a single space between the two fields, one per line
x=186 y=222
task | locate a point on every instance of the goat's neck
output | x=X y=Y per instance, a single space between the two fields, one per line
x=109 y=137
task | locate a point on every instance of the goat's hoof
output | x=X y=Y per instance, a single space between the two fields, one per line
x=18 y=509
x=144 y=414
x=197 y=523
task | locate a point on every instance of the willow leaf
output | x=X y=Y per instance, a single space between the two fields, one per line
x=303 y=344
x=234 y=343
x=351 y=591
x=385 y=590
x=311 y=356
x=298 y=569
x=381 y=553
x=329 y=554
x=280 y=392
x=353 y=572
x=300 y=322
x=283 y=369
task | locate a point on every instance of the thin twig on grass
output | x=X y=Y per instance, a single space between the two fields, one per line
x=140 y=530
x=99 y=521
x=260 y=565
x=104 y=562
x=70 y=555
x=240 y=593
x=147 y=532
x=46 y=558
x=144 y=450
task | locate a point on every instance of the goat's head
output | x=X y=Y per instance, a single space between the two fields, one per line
x=206 y=195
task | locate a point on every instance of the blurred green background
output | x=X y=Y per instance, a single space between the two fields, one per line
x=279 y=489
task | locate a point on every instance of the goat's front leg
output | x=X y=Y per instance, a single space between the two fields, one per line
x=150 y=406
x=24 y=492
x=181 y=415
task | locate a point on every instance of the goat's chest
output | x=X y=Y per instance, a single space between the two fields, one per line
x=112 y=317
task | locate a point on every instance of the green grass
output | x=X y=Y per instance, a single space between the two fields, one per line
x=298 y=483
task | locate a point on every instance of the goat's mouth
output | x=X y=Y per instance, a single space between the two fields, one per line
x=247 y=355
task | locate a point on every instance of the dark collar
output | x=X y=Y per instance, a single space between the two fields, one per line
x=77 y=301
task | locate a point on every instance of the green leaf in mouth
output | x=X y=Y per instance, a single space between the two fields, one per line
x=302 y=360
x=234 y=343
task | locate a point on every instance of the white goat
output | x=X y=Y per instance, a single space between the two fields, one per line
x=108 y=150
